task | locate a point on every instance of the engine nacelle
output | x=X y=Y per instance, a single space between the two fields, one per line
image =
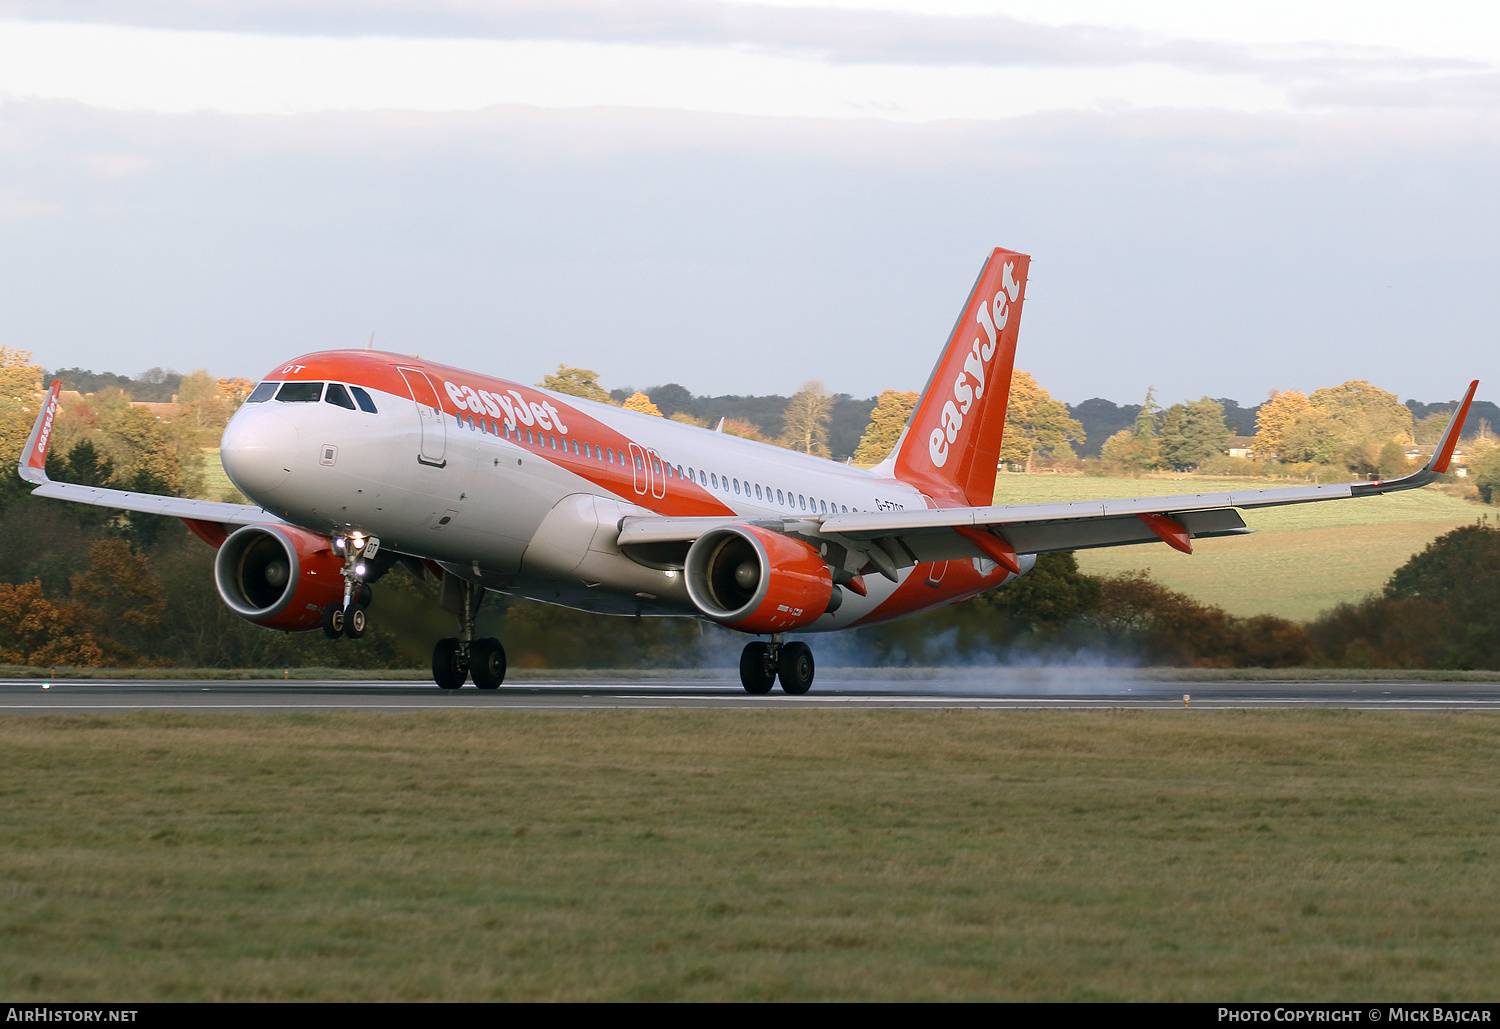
x=755 y=580
x=278 y=576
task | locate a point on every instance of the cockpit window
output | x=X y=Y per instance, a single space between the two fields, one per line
x=338 y=396
x=300 y=392
x=365 y=403
x=265 y=391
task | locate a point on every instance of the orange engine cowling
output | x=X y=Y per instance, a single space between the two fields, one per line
x=755 y=580
x=278 y=576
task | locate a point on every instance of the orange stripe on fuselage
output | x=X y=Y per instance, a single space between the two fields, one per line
x=378 y=370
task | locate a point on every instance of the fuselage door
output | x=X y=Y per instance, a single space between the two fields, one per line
x=658 y=475
x=642 y=471
x=434 y=431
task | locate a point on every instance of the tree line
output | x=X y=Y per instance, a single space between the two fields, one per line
x=88 y=586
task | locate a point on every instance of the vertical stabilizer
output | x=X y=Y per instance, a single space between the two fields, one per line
x=952 y=445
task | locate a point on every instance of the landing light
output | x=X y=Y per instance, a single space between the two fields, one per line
x=358 y=539
x=359 y=569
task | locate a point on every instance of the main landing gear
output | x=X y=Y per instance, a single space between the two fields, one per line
x=762 y=663
x=456 y=658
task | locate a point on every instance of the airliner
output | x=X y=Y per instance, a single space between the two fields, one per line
x=358 y=460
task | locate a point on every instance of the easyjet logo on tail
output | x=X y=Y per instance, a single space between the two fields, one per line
x=39 y=453
x=992 y=317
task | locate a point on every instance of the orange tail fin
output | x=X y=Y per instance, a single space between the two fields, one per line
x=952 y=445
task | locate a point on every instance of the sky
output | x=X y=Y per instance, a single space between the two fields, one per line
x=1219 y=199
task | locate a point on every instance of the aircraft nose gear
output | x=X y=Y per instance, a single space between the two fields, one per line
x=333 y=621
x=349 y=618
x=762 y=663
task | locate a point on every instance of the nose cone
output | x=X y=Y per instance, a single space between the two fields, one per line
x=257 y=450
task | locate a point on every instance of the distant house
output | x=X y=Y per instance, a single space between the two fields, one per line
x=160 y=410
x=1240 y=446
x=73 y=396
x=1418 y=453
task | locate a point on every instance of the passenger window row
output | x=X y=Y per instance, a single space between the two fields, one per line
x=713 y=480
x=607 y=455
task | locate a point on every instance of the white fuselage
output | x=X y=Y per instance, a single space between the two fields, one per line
x=529 y=512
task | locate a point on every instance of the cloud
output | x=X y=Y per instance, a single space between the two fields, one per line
x=836 y=35
x=1475 y=92
x=16 y=205
x=1256 y=252
x=116 y=166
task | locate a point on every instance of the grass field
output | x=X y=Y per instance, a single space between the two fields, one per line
x=1301 y=560
x=215 y=480
x=751 y=855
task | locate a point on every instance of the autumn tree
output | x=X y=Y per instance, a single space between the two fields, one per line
x=202 y=410
x=742 y=428
x=234 y=390
x=120 y=595
x=576 y=382
x=20 y=380
x=1429 y=430
x=805 y=424
x=34 y=631
x=1035 y=423
x=20 y=386
x=1275 y=419
x=1485 y=472
x=892 y=411
x=638 y=401
x=1349 y=425
x=143 y=450
x=1136 y=613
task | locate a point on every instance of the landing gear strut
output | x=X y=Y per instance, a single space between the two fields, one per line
x=360 y=560
x=762 y=663
x=456 y=658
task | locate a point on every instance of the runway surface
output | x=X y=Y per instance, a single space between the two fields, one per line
x=1032 y=689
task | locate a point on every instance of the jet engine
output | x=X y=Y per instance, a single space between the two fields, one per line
x=278 y=576
x=759 y=581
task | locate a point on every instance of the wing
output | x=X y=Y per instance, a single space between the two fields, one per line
x=206 y=513
x=886 y=541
